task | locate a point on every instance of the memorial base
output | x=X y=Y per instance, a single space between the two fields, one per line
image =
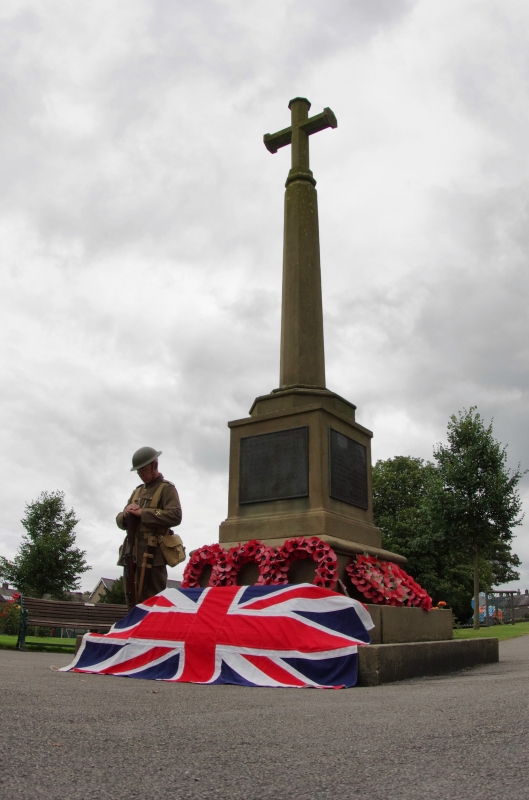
x=387 y=663
x=402 y=624
x=300 y=465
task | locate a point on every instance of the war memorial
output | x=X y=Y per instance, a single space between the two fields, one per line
x=300 y=464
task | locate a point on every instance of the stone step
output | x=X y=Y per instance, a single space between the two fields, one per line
x=387 y=663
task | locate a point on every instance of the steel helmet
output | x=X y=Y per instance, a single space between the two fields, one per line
x=144 y=456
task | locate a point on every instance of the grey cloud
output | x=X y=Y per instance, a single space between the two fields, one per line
x=141 y=223
x=143 y=108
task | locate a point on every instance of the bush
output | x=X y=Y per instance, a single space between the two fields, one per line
x=42 y=633
x=116 y=593
x=9 y=618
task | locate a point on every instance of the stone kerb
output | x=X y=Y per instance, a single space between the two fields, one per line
x=387 y=663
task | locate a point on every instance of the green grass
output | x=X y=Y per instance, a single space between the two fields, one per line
x=498 y=631
x=42 y=643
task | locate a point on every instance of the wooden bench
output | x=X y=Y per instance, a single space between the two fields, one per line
x=64 y=614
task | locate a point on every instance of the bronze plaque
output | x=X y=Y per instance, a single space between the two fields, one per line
x=274 y=466
x=347 y=470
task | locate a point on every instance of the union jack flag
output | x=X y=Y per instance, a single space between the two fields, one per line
x=295 y=635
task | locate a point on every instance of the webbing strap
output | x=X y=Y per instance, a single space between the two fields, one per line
x=156 y=496
x=155 y=499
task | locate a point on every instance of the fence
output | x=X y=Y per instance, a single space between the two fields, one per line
x=497 y=608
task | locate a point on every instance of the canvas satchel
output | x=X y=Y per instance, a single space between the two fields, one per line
x=172 y=549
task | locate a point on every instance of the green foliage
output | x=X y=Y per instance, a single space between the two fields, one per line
x=116 y=593
x=10 y=622
x=403 y=488
x=478 y=503
x=9 y=618
x=439 y=515
x=41 y=631
x=47 y=562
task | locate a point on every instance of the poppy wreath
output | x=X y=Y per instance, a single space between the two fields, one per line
x=274 y=567
x=211 y=554
x=314 y=548
x=385 y=583
x=229 y=567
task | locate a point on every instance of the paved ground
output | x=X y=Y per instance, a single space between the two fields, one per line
x=80 y=737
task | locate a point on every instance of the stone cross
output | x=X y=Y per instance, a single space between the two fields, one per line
x=302 y=346
x=298 y=134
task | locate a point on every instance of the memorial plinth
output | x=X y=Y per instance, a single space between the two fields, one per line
x=300 y=464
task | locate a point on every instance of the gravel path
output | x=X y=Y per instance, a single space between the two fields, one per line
x=80 y=737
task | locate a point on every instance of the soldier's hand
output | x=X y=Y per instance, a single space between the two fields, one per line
x=132 y=508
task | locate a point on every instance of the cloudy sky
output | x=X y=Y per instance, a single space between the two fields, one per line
x=141 y=234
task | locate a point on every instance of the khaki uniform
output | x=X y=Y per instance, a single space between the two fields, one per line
x=157 y=522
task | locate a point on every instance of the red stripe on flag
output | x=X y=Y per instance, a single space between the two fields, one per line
x=278 y=633
x=139 y=661
x=158 y=600
x=274 y=671
x=168 y=625
x=203 y=635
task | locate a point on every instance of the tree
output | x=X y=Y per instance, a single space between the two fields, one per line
x=424 y=511
x=477 y=501
x=403 y=488
x=116 y=593
x=47 y=561
x=400 y=491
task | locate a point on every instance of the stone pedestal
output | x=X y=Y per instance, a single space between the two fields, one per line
x=300 y=465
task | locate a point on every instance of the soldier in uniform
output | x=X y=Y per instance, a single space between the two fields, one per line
x=157 y=505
